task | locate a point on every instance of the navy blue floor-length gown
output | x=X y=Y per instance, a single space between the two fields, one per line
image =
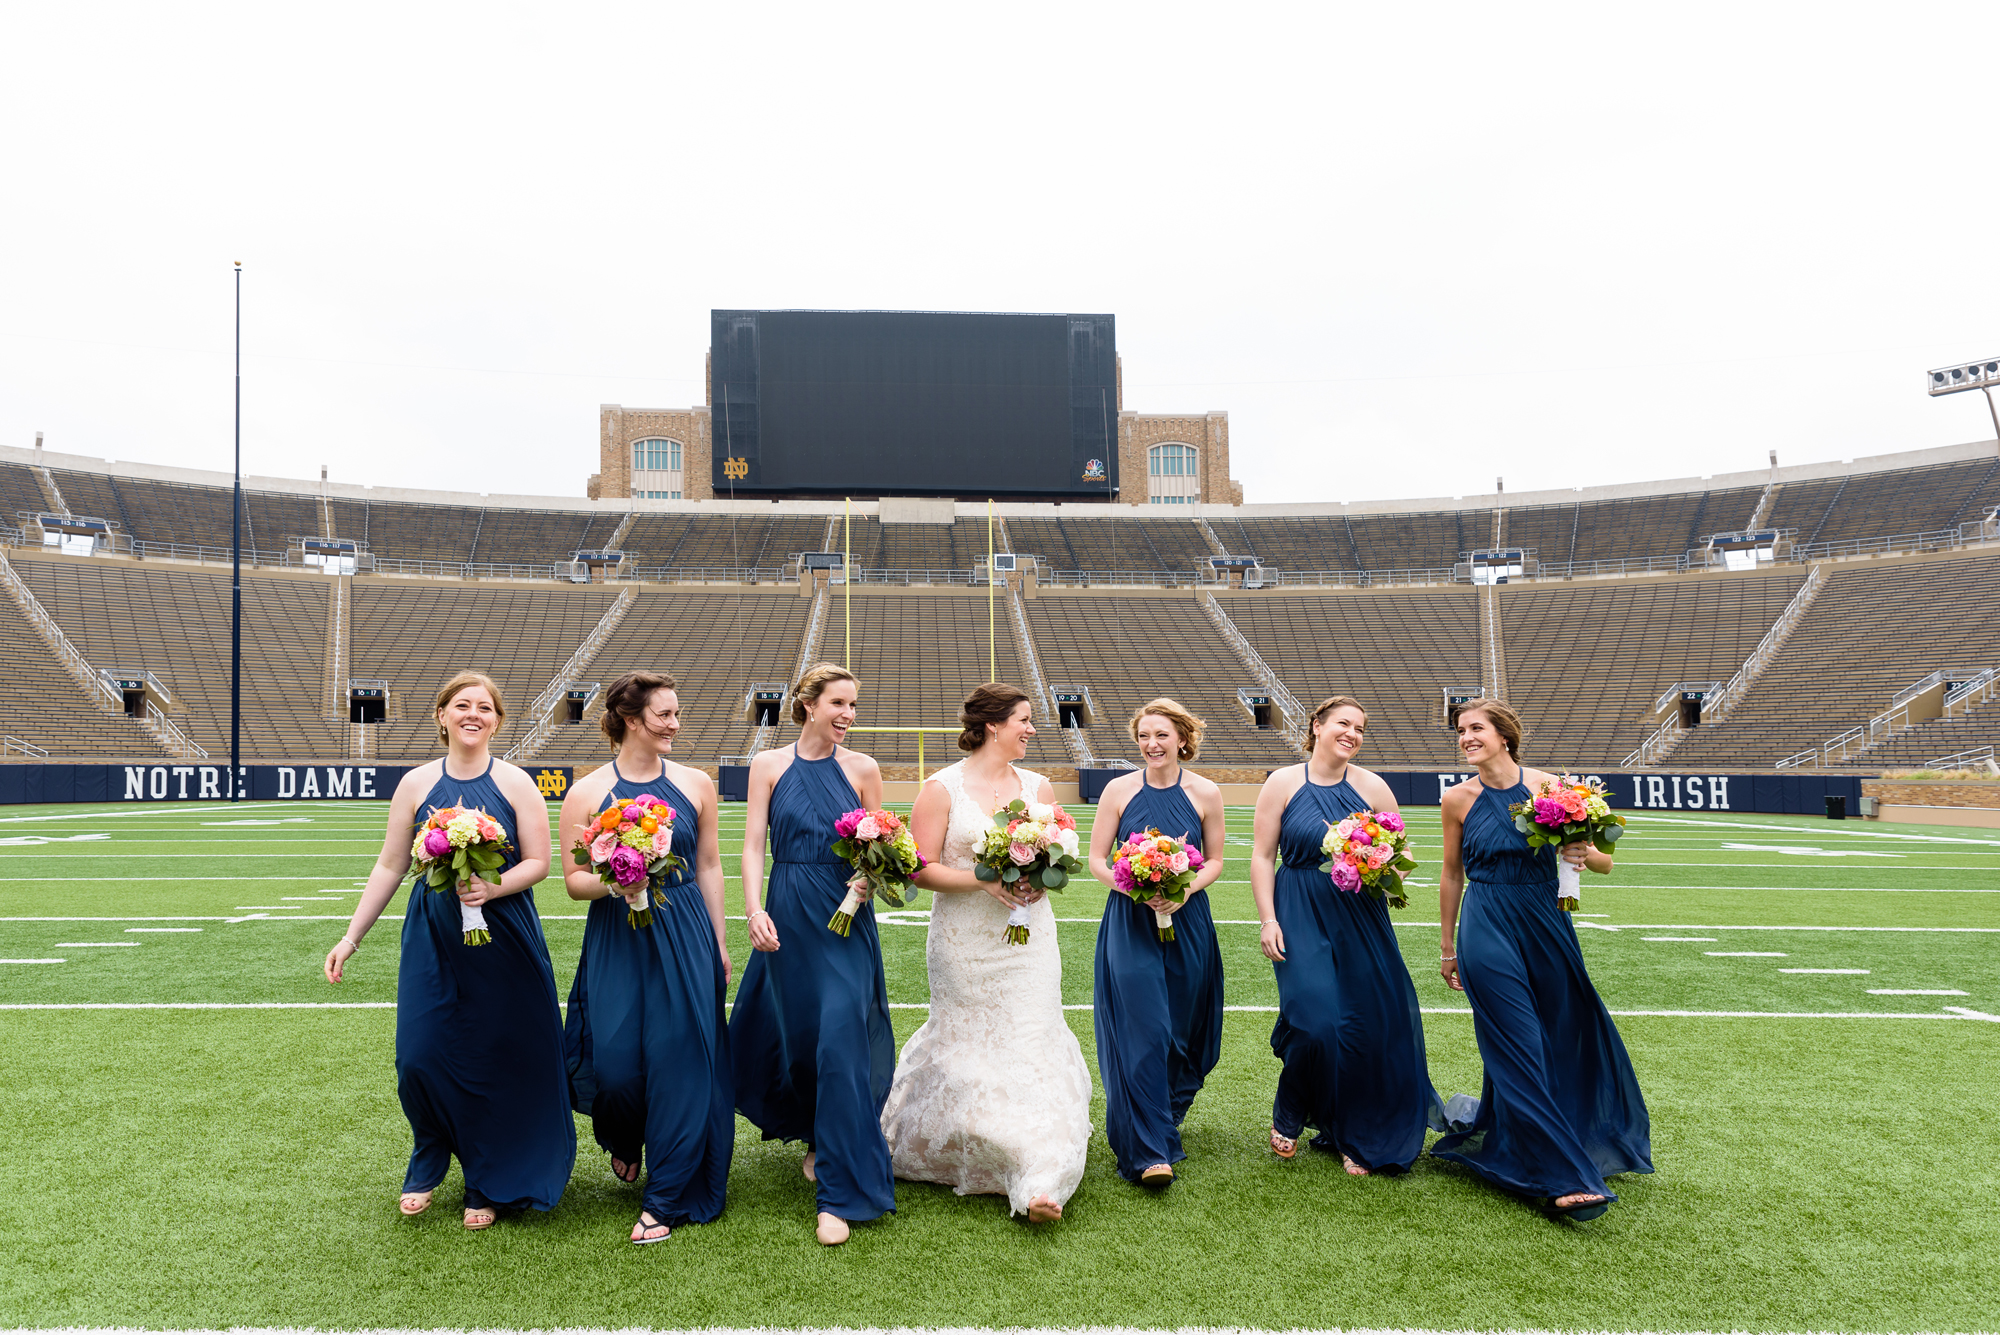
x=1158 y=1003
x=1560 y=1109
x=479 y=1041
x=648 y=1044
x=810 y=1035
x=1349 y=1031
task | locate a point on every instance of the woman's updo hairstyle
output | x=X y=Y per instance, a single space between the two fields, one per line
x=1501 y=715
x=1325 y=707
x=449 y=692
x=625 y=702
x=1187 y=725
x=991 y=703
x=811 y=686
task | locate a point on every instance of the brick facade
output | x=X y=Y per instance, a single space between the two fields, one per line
x=1207 y=432
x=619 y=426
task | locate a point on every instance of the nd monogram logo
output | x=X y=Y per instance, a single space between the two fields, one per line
x=552 y=782
x=736 y=468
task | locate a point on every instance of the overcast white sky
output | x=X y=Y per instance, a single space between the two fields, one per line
x=1407 y=248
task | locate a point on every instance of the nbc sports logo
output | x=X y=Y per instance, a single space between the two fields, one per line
x=1093 y=471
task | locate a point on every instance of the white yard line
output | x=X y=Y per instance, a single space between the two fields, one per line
x=1823 y=971
x=1760 y=954
x=1895 y=991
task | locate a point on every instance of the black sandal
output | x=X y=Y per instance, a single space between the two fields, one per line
x=633 y=1166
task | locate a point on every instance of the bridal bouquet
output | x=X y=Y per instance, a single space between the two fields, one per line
x=1032 y=843
x=883 y=853
x=456 y=844
x=1152 y=864
x=630 y=844
x=1370 y=851
x=1569 y=810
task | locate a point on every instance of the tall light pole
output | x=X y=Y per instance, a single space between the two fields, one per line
x=1981 y=375
x=236 y=571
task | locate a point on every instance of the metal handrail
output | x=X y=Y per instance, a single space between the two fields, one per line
x=1297 y=719
x=1960 y=759
x=542 y=710
x=8 y=743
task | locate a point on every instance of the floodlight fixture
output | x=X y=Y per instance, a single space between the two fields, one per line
x=1983 y=375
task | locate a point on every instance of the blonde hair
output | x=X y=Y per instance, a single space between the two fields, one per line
x=449 y=692
x=1187 y=725
x=814 y=683
x=1501 y=715
x=1327 y=706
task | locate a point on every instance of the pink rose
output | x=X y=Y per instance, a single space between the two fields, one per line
x=848 y=824
x=663 y=842
x=602 y=846
x=1345 y=877
x=627 y=867
x=1178 y=863
x=1021 y=853
x=437 y=843
x=1378 y=856
x=1390 y=821
x=869 y=828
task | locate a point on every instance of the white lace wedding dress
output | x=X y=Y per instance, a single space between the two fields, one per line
x=991 y=1095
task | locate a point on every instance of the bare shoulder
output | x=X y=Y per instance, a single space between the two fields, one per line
x=594 y=784
x=1282 y=783
x=859 y=764
x=1201 y=788
x=1120 y=789
x=516 y=782
x=1535 y=778
x=1458 y=798
x=696 y=784
x=419 y=781
x=1374 y=789
x=768 y=765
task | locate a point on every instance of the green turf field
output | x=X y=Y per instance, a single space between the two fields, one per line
x=201 y=1132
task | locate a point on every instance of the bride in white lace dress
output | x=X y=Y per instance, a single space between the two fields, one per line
x=991 y=1096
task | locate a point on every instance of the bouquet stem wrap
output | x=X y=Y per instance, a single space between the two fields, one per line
x=1567 y=810
x=1569 y=886
x=472 y=922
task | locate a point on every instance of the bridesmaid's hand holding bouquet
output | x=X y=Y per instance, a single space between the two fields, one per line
x=1370 y=851
x=879 y=847
x=1031 y=846
x=1156 y=866
x=630 y=845
x=455 y=845
x=1567 y=810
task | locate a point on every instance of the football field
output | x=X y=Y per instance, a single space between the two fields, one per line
x=201 y=1132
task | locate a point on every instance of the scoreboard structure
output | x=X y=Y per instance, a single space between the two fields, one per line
x=914 y=403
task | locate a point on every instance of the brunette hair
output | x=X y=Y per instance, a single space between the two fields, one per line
x=626 y=700
x=811 y=686
x=1173 y=711
x=1501 y=715
x=1325 y=707
x=449 y=691
x=990 y=703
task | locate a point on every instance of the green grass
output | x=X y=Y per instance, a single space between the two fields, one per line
x=175 y=1168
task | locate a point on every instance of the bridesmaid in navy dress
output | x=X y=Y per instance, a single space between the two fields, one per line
x=1158 y=1003
x=810 y=1035
x=1348 y=1031
x=479 y=1059
x=1560 y=1109
x=648 y=1044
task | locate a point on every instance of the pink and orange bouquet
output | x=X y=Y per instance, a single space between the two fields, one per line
x=456 y=844
x=1153 y=865
x=1031 y=844
x=879 y=847
x=1370 y=851
x=630 y=845
x=1569 y=810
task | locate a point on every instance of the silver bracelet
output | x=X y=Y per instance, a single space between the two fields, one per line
x=1270 y=922
x=760 y=913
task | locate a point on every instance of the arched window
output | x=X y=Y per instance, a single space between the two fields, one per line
x=1173 y=475
x=656 y=469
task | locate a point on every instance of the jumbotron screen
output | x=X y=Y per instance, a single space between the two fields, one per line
x=914 y=403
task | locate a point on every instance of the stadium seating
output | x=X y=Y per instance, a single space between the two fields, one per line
x=1130 y=649
x=917 y=655
x=19 y=493
x=1586 y=662
x=1876 y=505
x=714 y=644
x=42 y=706
x=416 y=634
x=1395 y=651
x=1874 y=629
x=1128 y=546
x=721 y=541
x=175 y=623
x=1628 y=529
x=1292 y=544
x=1930 y=741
